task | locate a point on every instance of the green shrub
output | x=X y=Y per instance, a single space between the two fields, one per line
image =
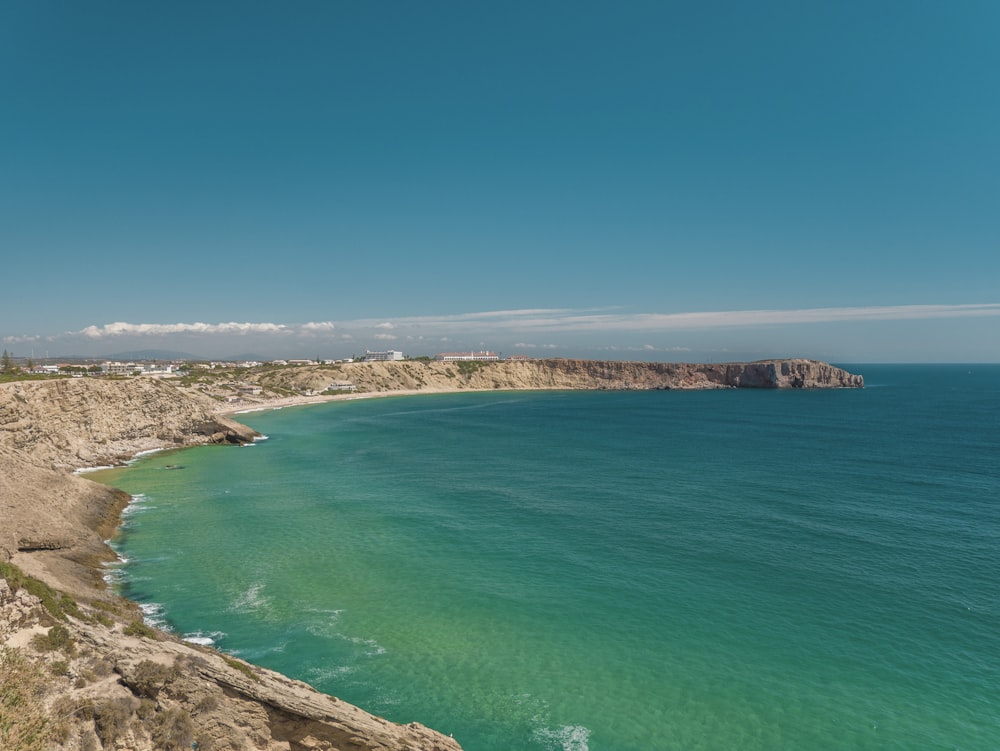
x=52 y=601
x=68 y=606
x=172 y=730
x=147 y=708
x=150 y=677
x=58 y=637
x=138 y=628
x=59 y=667
x=24 y=722
x=111 y=720
x=207 y=703
x=106 y=605
x=242 y=667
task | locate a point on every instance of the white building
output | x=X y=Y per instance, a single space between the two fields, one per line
x=121 y=368
x=389 y=356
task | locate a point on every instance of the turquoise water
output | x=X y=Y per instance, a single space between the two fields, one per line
x=607 y=570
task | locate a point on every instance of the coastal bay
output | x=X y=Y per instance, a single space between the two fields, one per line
x=560 y=571
x=55 y=522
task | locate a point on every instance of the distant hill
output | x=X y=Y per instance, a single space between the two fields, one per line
x=246 y=357
x=153 y=354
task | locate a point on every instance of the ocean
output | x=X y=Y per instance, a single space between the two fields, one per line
x=605 y=571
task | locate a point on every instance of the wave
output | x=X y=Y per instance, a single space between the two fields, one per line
x=115 y=572
x=142 y=454
x=154 y=614
x=138 y=503
x=85 y=470
x=204 y=639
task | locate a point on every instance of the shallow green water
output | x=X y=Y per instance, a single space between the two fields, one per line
x=656 y=570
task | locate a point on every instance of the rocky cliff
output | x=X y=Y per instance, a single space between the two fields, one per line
x=78 y=422
x=418 y=375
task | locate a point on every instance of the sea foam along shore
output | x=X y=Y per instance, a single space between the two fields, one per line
x=54 y=526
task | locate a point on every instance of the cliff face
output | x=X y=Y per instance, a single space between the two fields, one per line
x=564 y=374
x=76 y=422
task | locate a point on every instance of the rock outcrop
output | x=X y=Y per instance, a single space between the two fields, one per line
x=76 y=422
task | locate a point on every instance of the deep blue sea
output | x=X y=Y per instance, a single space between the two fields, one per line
x=606 y=571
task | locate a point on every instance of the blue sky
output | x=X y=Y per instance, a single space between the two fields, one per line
x=642 y=180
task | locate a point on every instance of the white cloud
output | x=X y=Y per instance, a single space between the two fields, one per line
x=22 y=339
x=486 y=324
x=321 y=327
x=604 y=327
x=611 y=319
x=121 y=328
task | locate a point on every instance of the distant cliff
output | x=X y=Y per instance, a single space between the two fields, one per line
x=415 y=375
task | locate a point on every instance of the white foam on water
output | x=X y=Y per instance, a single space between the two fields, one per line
x=564 y=738
x=256 y=653
x=250 y=600
x=114 y=571
x=141 y=454
x=205 y=640
x=325 y=675
x=114 y=575
x=372 y=647
x=261 y=437
x=85 y=470
x=327 y=626
x=154 y=615
x=137 y=503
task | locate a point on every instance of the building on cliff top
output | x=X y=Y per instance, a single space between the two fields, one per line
x=467 y=356
x=388 y=356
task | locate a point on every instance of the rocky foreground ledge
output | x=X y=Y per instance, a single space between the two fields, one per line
x=80 y=670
